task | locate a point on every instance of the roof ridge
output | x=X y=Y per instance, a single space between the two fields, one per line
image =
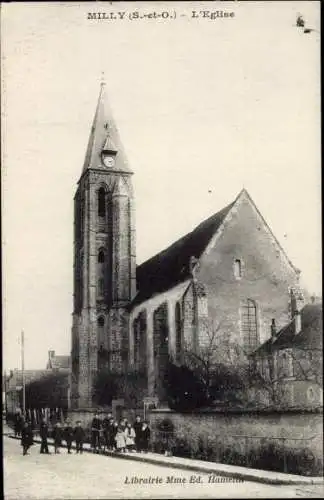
x=283 y=251
x=182 y=238
x=171 y=266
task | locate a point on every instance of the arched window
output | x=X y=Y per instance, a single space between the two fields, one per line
x=237 y=268
x=101 y=342
x=178 y=325
x=101 y=257
x=139 y=336
x=101 y=287
x=249 y=325
x=286 y=365
x=137 y=340
x=101 y=274
x=101 y=202
x=101 y=332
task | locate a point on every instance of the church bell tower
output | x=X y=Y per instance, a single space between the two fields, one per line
x=104 y=257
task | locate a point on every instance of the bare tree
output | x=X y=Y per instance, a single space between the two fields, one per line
x=222 y=363
x=219 y=362
x=202 y=359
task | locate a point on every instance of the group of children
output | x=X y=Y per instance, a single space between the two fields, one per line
x=67 y=433
x=106 y=433
x=119 y=436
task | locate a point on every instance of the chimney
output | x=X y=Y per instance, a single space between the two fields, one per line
x=297 y=322
x=51 y=355
x=273 y=328
x=192 y=263
x=296 y=305
x=296 y=301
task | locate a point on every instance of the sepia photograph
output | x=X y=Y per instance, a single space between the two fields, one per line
x=161 y=237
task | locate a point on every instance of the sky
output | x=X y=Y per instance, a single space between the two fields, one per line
x=204 y=108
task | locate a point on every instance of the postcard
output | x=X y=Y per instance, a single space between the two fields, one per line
x=161 y=210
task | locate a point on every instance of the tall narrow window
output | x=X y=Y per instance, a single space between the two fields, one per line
x=237 y=268
x=101 y=341
x=101 y=257
x=139 y=336
x=101 y=331
x=249 y=325
x=101 y=274
x=137 y=340
x=101 y=287
x=101 y=202
x=178 y=325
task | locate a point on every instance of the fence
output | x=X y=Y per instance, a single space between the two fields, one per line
x=280 y=454
x=34 y=416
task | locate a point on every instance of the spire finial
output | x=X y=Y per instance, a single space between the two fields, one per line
x=103 y=82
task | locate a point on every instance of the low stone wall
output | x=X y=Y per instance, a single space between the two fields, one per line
x=84 y=415
x=246 y=430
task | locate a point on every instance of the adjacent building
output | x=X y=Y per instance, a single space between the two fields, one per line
x=57 y=362
x=13 y=383
x=290 y=362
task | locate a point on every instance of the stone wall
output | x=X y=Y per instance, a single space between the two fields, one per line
x=235 y=427
x=117 y=409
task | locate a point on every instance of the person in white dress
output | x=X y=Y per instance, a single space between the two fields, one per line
x=130 y=437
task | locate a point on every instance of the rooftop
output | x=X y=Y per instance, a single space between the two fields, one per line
x=310 y=336
x=172 y=266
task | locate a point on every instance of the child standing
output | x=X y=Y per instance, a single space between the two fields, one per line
x=68 y=435
x=26 y=437
x=145 y=437
x=112 y=431
x=120 y=440
x=130 y=437
x=43 y=431
x=79 y=437
x=138 y=429
x=57 y=435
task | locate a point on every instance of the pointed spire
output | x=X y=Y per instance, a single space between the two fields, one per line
x=104 y=137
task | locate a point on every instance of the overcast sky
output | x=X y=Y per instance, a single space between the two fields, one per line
x=201 y=105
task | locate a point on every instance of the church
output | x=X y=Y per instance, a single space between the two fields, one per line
x=229 y=275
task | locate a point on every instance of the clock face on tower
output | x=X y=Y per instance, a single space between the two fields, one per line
x=108 y=161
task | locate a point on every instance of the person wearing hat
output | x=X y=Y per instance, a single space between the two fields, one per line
x=79 y=437
x=105 y=426
x=145 y=437
x=138 y=429
x=43 y=432
x=112 y=431
x=18 y=423
x=68 y=435
x=57 y=435
x=130 y=437
x=95 y=433
x=26 y=437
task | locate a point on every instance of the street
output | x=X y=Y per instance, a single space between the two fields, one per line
x=93 y=476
